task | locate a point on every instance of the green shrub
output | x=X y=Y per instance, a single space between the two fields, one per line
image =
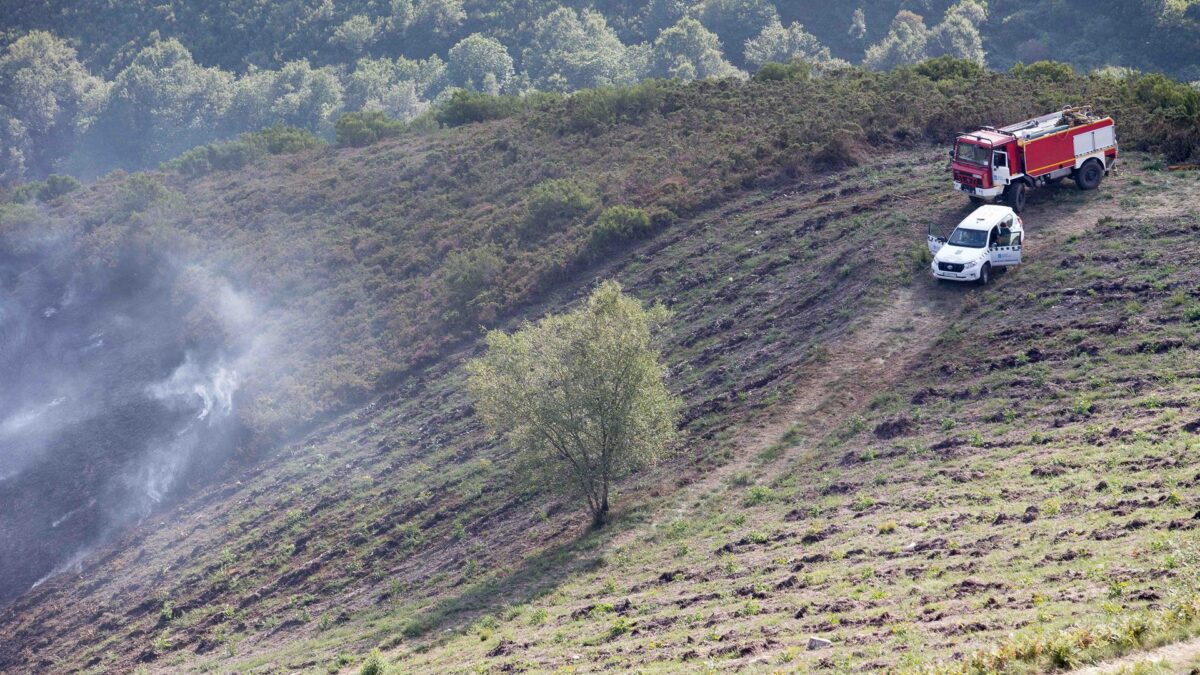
x=1162 y=94
x=619 y=627
x=140 y=191
x=235 y=154
x=758 y=494
x=619 y=224
x=205 y=159
x=469 y=275
x=283 y=140
x=1051 y=71
x=373 y=665
x=776 y=72
x=56 y=186
x=554 y=204
x=468 y=107
x=357 y=129
x=595 y=109
x=950 y=68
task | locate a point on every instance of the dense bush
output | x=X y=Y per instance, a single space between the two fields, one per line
x=229 y=155
x=467 y=107
x=619 y=224
x=357 y=129
x=47 y=190
x=596 y=109
x=949 y=68
x=140 y=191
x=774 y=72
x=1050 y=71
x=55 y=186
x=470 y=277
x=554 y=204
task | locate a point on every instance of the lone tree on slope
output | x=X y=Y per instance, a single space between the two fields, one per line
x=580 y=395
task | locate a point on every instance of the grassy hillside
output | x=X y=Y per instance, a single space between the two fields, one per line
x=861 y=446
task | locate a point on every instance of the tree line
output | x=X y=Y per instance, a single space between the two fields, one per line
x=93 y=85
x=59 y=116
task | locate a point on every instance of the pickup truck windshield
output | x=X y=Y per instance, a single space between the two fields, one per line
x=974 y=154
x=968 y=238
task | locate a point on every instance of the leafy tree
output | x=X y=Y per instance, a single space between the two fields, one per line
x=355 y=34
x=580 y=395
x=376 y=83
x=782 y=45
x=644 y=20
x=48 y=98
x=161 y=104
x=297 y=95
x=958 y=33
x=571 y=51
x=439 y=17
x=688 y=51
x=904 y=44
x=736 y=21
x=858 y=25
x=15 y=146
x=479 y=63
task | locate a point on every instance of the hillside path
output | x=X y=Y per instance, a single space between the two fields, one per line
x=872 y=356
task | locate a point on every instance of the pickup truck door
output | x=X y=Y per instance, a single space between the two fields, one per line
x=935 y=242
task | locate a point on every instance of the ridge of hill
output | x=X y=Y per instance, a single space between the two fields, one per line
x=835 y=477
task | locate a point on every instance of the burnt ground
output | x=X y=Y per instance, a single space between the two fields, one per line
x=856 y=465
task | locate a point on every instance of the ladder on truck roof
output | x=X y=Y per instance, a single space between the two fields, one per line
x=1050 y=124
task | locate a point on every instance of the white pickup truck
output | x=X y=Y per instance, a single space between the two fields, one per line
x=988 y=239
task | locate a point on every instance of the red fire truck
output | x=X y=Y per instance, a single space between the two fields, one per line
x=1008 y=162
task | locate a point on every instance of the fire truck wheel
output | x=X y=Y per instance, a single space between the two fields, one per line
x=1014 y=196
x=1089 y=175
x=976 y=200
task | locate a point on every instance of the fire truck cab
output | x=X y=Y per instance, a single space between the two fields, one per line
x=1006 y=163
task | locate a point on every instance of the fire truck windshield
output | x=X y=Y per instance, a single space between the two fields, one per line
x=974 y=154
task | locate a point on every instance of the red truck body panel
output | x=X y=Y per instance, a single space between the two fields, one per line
x=1056 y=151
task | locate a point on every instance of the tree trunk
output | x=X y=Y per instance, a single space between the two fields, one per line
x=600 y=515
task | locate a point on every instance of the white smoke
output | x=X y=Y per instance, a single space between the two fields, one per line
x=192 y=386
x=206 y=394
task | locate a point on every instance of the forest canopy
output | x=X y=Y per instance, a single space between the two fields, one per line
x=91 y=85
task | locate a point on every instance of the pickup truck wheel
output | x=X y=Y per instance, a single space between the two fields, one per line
x=985 y=274
x=1015 y=197
x=1088 y=176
